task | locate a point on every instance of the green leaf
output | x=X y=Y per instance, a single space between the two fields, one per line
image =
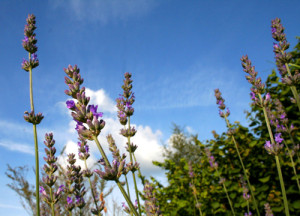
x=215 y=205
x=296 y=204
x=265 y=179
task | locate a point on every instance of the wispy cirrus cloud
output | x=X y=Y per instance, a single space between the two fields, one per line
x=19 y=147
x=103 y=10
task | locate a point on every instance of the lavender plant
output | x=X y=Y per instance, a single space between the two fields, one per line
x=222 y=106
x=214 y=165
x=125 y=110
x=283 y=59
x=89 y=127
x=50 y=168
x=192 y=186
x=268 y=210
x=272 y=146
x=29 y=44
x=279 y=120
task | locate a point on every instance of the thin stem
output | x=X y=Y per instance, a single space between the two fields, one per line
x=139 y=171
x=225 y=189
x=127 y=186
x=248 y=208
x=127 y=198
x=52 y=202
x=286 y=207
x=244 y=170
x=117 y=181
x=133 y=175
x=292 y=139
x=92 y=190
x=195 y=195
x=294 y=65
x=36 y=148
x=293 y=88
x=293 y=165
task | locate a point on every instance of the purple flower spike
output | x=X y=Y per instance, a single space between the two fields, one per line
x=70 y=104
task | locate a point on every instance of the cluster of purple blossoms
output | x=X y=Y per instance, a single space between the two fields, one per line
x=246 y=196
x=127 y=210
x=248 y=214
x=211 y=159
x=50 y=168
x=191 y=172
x=151 y=207
x=274 y=148
x=257 y=86
x=220 y=102
x=74 y=185
x=268 y=210
x=82 y=113
x=117 y=167
x=280 y=47
x=278 y=118
x=113 y=172
x=29 y=44
x=125 y=109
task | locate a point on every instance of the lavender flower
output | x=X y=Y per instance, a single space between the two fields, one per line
x=258 y=87
x=70 y=204
x=268 y=210
x=274 y=148
x=279 y=48
x=211 y=159
x=81 y=111
x=220 y=102
x=125 y=101
x=191 y=172
x=32 y=118
x=151 y=207
x=112 y=173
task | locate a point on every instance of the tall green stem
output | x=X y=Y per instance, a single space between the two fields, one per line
x=139 y=171
x=133 y=175
x=293 y=165
x=225 y=189
x=52 y=202
x=293 y=88
x=92 y=190
x=294 y=145
x=36 y=147
x=131 y=206
x=244 y=170
x=286 y=207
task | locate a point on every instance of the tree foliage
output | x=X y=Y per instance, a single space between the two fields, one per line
x=177 y=198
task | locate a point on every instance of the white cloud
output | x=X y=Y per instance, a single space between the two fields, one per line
x=72 y=147
x=148 y=141
x=190 y=130
x=17 y=147
x=100 y=98
x=103 y=10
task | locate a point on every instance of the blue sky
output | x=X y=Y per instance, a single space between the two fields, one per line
x=177 y=51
